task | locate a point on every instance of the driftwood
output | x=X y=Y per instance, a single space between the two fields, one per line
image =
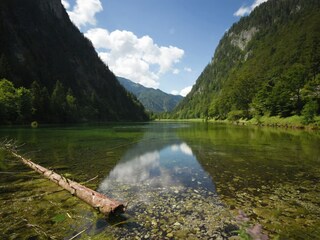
x=97 y=200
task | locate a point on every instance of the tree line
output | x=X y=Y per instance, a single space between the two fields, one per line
x=22 y=105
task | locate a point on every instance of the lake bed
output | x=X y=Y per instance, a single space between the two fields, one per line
x=180 y=181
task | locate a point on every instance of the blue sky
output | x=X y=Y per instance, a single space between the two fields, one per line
x=162 y=44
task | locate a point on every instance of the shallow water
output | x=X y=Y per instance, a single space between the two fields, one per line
x=180 y=180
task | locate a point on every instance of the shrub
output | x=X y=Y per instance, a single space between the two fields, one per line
x=309 y=111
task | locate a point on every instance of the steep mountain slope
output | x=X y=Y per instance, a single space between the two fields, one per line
x=266 y=64
x=41 y=50
x=154 y=100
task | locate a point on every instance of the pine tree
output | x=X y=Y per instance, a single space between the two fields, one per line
x=58 y=103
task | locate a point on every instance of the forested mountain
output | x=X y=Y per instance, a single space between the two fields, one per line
x=266 y=64
x=54 y=73
x=154 y=100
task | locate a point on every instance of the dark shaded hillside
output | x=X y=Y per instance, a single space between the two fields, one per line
x=154 y=100
x=39 y=45
x=266 y=64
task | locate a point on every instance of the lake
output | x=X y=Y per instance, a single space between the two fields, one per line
x=181 y=180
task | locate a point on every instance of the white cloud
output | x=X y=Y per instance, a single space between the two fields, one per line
x=187 y=69
x=99 y=37
x=244 y=10
x=139 y=59
x=65 y=3
x=168 y=57
x=184 y=92
x=176 y=71
x=83 y=13
x=257 y=3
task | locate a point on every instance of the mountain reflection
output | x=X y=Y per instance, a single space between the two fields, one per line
x=158 y=165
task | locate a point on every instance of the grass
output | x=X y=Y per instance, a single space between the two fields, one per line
x=289 y=122
x=180 y=120
x=274 y=121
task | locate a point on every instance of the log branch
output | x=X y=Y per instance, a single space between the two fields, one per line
x=97 y=200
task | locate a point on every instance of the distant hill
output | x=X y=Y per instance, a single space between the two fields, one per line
x=266 y=64
x=154 y=100
x=43 y=52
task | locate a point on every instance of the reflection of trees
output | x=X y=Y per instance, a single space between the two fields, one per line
x=248 y=157
x=83 y=151
x=155 y=138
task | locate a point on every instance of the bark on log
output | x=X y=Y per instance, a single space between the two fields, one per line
x=97 y=200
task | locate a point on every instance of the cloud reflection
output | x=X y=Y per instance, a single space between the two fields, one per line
x=173 y=165
x=137 y=170
x=183 y=147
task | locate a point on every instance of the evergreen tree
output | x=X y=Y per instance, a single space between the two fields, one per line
x=8 y=102
x=296 y=77
x=71 y=107
x=40 y=102
x=58 y=103
x=24 y=105
x=310 y=111
x=315 y=56
x=4 y=67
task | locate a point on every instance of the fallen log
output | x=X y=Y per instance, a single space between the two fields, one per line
x=97 y=200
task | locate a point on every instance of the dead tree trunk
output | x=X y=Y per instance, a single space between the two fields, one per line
x=97 y=200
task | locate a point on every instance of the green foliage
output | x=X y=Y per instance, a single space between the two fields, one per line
x=236 y=115
x=309 y=112
x=21 y=105
x=294 y=121
x=58 y=102
x=311 y=91
x=72 y=111
x=40 y=102
x=4 y=67
x=154 y=100
x=266 y=64
x=24 y=104
x=8 y=100
x=37 y=48
x=15 y=104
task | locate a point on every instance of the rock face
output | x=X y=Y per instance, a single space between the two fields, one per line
x=241 y=40
x=39 y=43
